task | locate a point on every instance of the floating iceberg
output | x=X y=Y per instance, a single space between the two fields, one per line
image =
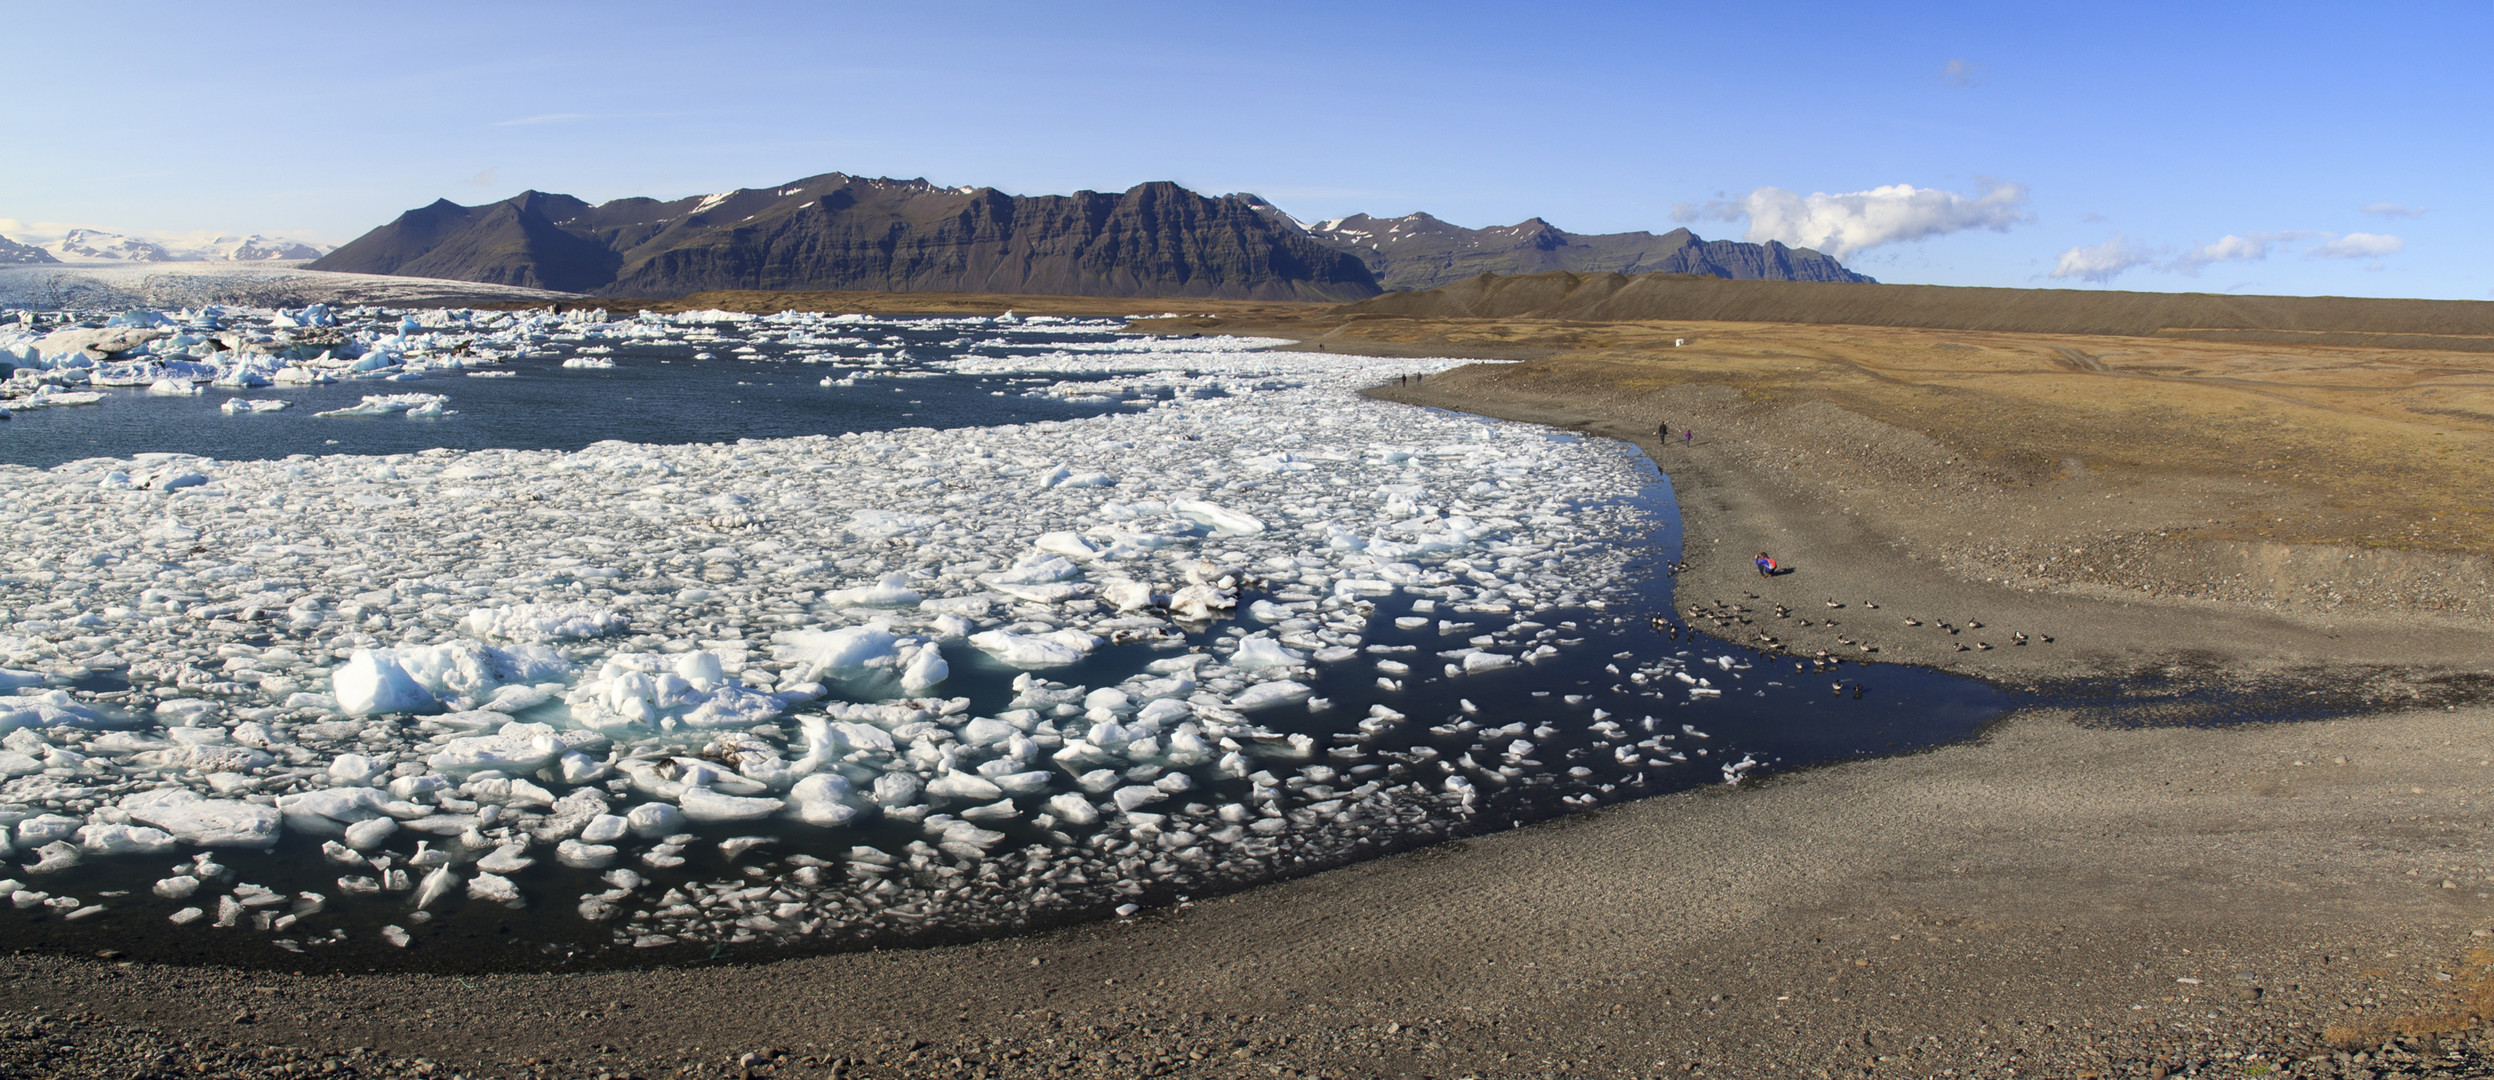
x=412 y=405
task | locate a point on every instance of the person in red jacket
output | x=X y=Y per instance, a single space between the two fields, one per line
x=1766 y=566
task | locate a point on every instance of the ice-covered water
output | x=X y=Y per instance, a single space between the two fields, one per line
x=504 y=705
x=516 y=382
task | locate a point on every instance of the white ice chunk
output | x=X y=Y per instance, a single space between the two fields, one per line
x=1262 y=695
x=1227 y=522
x=1056 y=648
x=1073 y=809
x=967 y=787
x=585 y=856
x=925 y=670
x=370 y=834
x=517 y=750
x=435 y=886
x=371 y=682
x=194 y=819
x=655 y=819
x=329 y=811
x=704 y=805
x=825 y=799
x=544 y=622
x=892 y=591
x=844 y=654
x=1259 y=651
x=124 y=840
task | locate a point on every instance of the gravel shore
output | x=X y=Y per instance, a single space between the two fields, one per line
x=2053 y=900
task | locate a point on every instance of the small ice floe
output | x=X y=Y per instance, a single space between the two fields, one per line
x=1737 y=771
x=411 y=405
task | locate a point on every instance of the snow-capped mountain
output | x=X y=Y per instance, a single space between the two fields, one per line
x=99 y=246
x=13 y=253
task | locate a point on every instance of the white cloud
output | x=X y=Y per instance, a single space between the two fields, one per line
x=2102 y=262
x=1850 y=222
x=2356 y=245
x=483 y=179
x=2234 y=248
x=2395 y=210
x=1718 y=210
x=37 y=233
x=1962 y=73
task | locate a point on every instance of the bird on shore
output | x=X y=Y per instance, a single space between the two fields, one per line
x=1973 y=625
x=2019 y=636
x=1834 y=604
x=1983 y=645
x=1913 y=622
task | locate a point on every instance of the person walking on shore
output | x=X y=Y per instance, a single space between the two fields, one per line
x=1686 y=435
x=1663 y=431
x=1766 y=566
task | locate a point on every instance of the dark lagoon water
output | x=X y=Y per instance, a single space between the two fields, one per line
x=657 y=392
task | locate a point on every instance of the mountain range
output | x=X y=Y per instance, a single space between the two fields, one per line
x=96 y=245
x=841 y=232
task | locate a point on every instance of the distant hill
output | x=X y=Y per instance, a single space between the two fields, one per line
x=2466 y=325
x=13 y=253
x=1417 y=251
x=840 y=232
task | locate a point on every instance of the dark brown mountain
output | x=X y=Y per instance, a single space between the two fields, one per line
x=839 y=232
x=1417 y=251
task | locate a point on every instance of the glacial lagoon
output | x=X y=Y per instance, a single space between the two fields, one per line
x=524 y=640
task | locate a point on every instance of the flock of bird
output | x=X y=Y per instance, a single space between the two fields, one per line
x=1724 y=615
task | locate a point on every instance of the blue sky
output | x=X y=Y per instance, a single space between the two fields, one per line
x=2158 y=146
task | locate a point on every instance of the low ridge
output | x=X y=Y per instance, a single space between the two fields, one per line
x=1417 y=251
x=2332 y=320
